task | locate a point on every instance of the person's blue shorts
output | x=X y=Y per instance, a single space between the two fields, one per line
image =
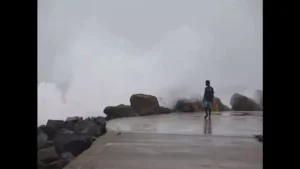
x=207 y=104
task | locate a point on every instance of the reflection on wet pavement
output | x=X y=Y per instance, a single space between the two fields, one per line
x=192 y=124
x=207 y=127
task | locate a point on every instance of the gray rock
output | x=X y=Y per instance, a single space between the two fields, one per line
x=49 y=132
x=119 y=111
x=52 y=127
x=99 y=120
x=188 y=105
x=47 y=155
x=42 y=140
x=67 y=155
x=69 y=126
x=89 y=128
x=163 y=110
x=144 y=104
x=242 y=103
x=75 y=119
x=55 y=124
x=67 y=131
x=73 y=143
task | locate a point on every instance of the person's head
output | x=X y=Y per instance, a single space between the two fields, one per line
x=207 y=83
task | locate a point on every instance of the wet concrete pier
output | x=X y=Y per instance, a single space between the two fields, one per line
x=177 y=141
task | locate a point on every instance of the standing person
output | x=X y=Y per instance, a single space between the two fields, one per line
x=208 y=99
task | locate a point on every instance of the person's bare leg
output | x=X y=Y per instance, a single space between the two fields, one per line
x=209 y=113
x=206 y=114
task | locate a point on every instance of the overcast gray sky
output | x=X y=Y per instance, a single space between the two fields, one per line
x=109 y=49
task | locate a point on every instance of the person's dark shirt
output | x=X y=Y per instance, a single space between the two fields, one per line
x=209 y=94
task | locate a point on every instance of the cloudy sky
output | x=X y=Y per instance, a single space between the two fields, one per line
x=109 y=49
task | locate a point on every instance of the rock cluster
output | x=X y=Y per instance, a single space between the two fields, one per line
x=188 y=105
x=140 y=105
x=194 y=105
x=144 y=105
x=60 y=141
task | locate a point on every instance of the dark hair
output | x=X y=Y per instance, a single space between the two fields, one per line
x=207 y=82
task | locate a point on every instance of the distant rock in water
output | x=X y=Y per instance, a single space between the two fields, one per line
x=240 y=102
x=144 y=104
x=119 y=111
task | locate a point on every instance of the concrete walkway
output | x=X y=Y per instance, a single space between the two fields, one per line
x=177 y=141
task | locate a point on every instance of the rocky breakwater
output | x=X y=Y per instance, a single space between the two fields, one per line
x=59 y=142
x=145 y=105
x=196 y=105
x=140 y=105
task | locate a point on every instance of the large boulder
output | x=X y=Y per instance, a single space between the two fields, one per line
x=70 y=142
x=219 y=106
x=45 y=136
x=55 y=124
x=90 y=128
x=99 y=120
x=52 y=127
x=74 y=119
x=69 y=125
x=42 y=137
x=188 y=105
x=144 y=104
x=119 y=111
x=47 y=155
x=240 y=102
x=70 y=122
